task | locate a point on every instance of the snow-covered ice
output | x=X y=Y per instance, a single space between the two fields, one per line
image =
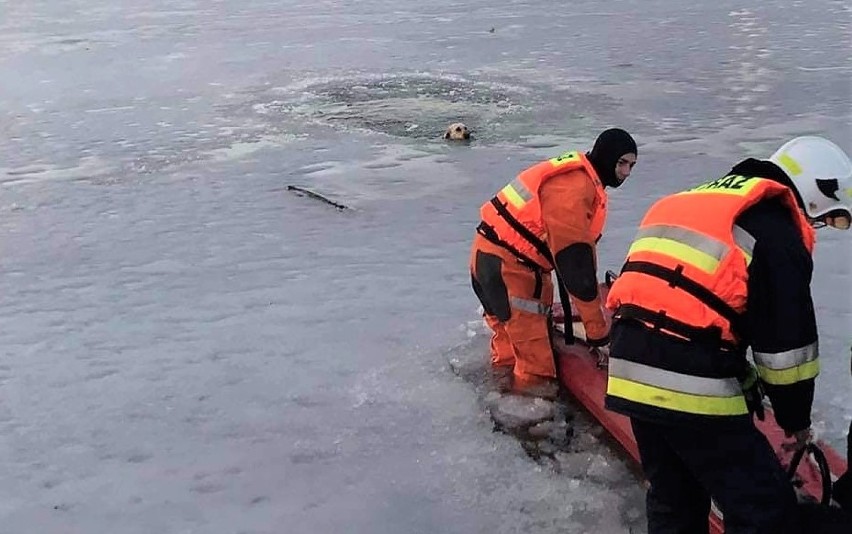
x=186 y=346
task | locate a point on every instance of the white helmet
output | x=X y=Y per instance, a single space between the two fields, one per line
x=822 y=174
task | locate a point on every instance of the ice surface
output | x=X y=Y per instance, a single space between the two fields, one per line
x=189 y=347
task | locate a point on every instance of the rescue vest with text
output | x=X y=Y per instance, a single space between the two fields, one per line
x=686 y=274
x=513 y=216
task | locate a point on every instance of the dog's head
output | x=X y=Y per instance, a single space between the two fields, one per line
x=457 y=131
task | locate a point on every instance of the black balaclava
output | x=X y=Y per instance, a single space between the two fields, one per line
x=609 y=147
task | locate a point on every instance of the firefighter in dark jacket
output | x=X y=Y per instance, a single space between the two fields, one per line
x=714 y=270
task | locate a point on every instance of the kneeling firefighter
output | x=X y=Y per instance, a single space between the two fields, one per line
x=714 y=270
x=550 y=216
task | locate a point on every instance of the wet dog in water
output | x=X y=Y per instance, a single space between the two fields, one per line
x=457 y=131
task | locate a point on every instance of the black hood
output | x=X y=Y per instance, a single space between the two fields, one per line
x=758 y=168
x=609 y=147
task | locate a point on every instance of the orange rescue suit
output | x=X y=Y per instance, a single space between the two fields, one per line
x=545 y=209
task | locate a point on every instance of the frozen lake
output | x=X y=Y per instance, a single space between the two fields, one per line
x=189 y=347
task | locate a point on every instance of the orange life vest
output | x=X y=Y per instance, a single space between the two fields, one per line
x=687 y=269
x=514 y=215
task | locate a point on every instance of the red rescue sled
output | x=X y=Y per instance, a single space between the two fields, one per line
x=579 y=373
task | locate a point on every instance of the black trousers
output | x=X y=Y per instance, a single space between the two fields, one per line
x=733 y=463
x=843 y=486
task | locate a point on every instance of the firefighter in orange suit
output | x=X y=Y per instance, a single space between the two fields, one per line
x=549 y=217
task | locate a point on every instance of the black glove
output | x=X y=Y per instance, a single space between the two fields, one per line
x=753 y=392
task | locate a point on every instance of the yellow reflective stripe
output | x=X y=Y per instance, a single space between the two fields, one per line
x=695 y=248
x=691 y=238
x=672 y=381
x=564 y=158
x=788 y=358
x=789 y=164
x=745 y=242
x=517 y=193
x=788 y=367
x=792 y=375
x=512 y=196
x=673 y=400
x=680 y=251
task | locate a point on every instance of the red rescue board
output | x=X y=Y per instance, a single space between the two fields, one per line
x=580 y=375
